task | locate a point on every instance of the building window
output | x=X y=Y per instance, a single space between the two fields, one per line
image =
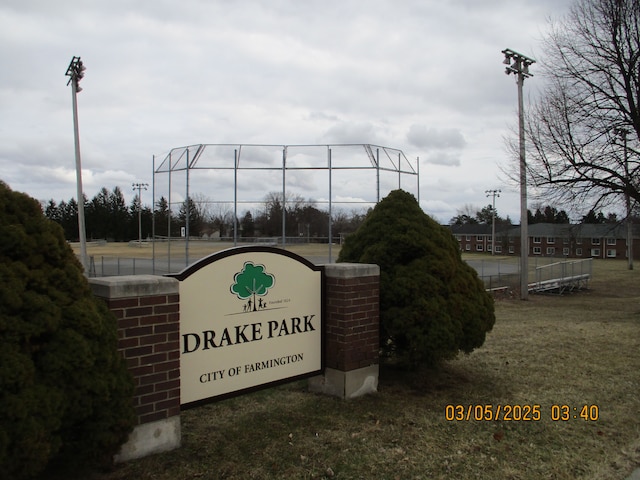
x=511 y=249
x=498 y=248
x=479 y=238
x=511 y=240
x=595 y=252
x=489 y=247
x=551 y=239
x=537 y=240
x=565 y=240
x=611 y=252
x=565 y=251
x=595 y=241
x=578 y=241
x=468 y=238
x=467 y=247
x=537 y=250
x=551 y=250
x=479 y=248
x=611 y=241
x=578 y=252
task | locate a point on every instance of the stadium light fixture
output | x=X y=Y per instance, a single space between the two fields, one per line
x=139 y=187
x=493 y=193
x=519 y=64
x=75 y=72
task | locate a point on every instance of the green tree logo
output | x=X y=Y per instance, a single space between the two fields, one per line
x=252 y=281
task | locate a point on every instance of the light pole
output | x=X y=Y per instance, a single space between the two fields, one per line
x=75 y=72
x=518 y=64
x=139 y=187
x=623 y=132
x=493 y=193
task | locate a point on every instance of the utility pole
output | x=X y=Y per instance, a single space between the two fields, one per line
x=518 y=64
x=493 y=193
x=75 y=72
x=622 y=133
x=139 y=187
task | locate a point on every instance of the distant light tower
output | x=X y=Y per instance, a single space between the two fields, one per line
x=75 y=72
x=622 y=133
x=518 y=64
x=139 y=187
x=494 y=194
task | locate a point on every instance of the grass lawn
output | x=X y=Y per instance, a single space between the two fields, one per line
x=578 y=349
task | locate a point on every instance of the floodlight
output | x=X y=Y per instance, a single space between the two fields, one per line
x=75 y=72
x=520 y=68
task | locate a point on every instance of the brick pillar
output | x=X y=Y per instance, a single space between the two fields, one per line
x=352 y=316
x=147 y=309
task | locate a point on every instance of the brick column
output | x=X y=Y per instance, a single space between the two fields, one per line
x=352 y=337
x=147 y=309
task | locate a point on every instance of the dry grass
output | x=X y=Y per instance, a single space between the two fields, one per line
x=576 y=349
x=134 y=258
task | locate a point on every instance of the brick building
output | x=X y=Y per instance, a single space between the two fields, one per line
x=551 y=240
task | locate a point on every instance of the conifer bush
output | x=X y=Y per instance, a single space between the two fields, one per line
x=432 y=304
x=65 y=392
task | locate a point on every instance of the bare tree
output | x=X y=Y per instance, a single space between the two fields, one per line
x=465 y=215
x=221 y=217
x=583 y=133
x=270 y=223
x=202 y=205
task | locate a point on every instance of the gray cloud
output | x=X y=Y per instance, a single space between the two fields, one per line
x=161 y=75
x=350 y=132
x=433 y=138
x=443 y=158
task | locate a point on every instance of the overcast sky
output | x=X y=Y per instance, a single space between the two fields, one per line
x=422 y=76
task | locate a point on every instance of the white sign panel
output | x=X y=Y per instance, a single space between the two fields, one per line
x=250 y=317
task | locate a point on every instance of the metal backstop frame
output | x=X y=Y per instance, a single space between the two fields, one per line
x=203 y=166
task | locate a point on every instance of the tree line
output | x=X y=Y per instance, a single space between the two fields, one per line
x=107 y=216
x=542 y=214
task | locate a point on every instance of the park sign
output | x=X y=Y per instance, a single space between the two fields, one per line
x=250 y=318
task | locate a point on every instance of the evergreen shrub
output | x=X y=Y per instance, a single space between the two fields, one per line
x=65 y=392
x=432 y=304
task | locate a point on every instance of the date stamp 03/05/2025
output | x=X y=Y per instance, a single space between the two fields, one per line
x=521 y=413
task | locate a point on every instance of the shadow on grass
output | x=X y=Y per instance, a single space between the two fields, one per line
x=451 y=379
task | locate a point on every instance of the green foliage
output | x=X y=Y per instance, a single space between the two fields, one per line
x=107 y=217
x=65 y=393
x=548 y=214
x=432 y=304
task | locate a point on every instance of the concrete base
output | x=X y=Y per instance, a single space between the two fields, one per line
x=346 y=385
x=150 y=438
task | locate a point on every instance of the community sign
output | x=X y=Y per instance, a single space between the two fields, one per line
x=250 y=317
